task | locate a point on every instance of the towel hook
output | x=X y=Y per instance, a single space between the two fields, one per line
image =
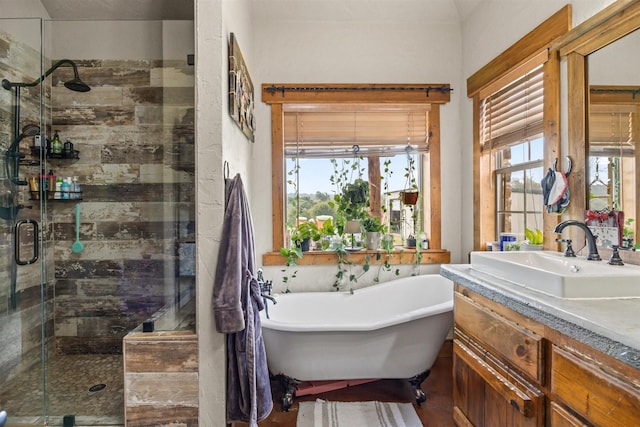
x=569 y=165
x=226 y=169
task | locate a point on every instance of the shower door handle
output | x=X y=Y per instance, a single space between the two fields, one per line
x=16 y=241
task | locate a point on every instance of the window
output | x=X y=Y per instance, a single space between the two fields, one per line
x=519 y=202
x=511 y=133
x=329 y=145
x=369 y=124
x=516 y=110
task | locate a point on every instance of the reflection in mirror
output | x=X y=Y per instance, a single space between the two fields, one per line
x=614 y=107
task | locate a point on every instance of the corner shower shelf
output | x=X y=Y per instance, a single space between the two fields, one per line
x=74 y=196
x=68 y=155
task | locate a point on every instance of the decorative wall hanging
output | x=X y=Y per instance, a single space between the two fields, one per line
x=607 y=226
x=240 y=90
x=555 y=188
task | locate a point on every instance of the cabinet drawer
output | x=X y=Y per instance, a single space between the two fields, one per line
x=490 y=395
x=520 y=346
x=560 y=417
x=597 y=396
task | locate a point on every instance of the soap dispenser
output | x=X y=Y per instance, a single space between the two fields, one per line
x=56 y=144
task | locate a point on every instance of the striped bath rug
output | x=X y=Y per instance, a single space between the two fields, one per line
x=322 y=413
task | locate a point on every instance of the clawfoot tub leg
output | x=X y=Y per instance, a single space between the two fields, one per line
x=415 y=383
x=290 y=386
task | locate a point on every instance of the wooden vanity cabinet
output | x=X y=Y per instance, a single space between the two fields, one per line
x=494 y=363
x=511 y=371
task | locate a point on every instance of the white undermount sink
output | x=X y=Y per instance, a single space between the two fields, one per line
x=553 y=274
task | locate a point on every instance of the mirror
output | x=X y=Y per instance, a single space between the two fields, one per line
x=581 y=48
x=614 y=104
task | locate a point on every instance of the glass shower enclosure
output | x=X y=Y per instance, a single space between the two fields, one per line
x=119 y=97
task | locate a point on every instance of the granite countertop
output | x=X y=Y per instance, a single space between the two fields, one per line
x=611 y=326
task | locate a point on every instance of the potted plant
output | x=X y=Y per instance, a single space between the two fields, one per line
x=534 y=240
x=354 y=199
x=410 y=193
x=327 y=232
x=304 y=233
x=410 y=241
x=351 y=206
x=292 y=255
x=373 y=231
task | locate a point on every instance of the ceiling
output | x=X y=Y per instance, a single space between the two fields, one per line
x=302 y=10
x=120 y=9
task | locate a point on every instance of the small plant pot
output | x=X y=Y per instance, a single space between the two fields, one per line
x=410 y=242
x=409 y=197
x=372 y=240
x=304 y=246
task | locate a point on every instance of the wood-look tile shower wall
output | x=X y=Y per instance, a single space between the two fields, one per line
x=134 y=132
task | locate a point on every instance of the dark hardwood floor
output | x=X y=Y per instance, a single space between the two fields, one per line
x=435 y=412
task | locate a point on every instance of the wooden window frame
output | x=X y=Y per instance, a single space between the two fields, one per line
x=527 y=53
x=277 y=95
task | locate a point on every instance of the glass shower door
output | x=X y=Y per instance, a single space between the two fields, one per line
x=23 y=326
x=61 y=360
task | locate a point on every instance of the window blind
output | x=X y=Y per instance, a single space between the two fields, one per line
x=513 y=113
x=385 y=130
x=611 y=129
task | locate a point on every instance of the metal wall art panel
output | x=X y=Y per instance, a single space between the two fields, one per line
x=240 y=90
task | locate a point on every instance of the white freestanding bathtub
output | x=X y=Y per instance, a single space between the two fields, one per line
x=389 y=330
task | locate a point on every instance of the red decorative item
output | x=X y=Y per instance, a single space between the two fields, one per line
x=606 y=225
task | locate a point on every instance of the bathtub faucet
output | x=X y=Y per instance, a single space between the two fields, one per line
x=265 y=291
x=591 y=239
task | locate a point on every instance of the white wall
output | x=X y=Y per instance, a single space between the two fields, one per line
x=218 y=139
x=323 y=49
x=488 y=31
x=617 y=63
x=122 y=40
x=238 y=149
x=26 y=30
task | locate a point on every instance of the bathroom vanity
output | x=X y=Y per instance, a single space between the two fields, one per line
x=526 y=358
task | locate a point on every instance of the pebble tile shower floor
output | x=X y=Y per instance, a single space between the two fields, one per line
x=69 y=380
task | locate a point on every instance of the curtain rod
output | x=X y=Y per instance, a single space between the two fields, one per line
x=273 y=89
x=633 y=92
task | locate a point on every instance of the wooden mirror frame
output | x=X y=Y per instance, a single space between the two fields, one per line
x=615 y=21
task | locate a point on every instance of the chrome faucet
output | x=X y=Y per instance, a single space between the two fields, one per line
x=591 y=240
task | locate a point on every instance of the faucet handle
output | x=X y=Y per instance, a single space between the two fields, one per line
x=615 y=256
x=568 y=252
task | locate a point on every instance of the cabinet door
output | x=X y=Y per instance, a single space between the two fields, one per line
x=599 y=397
x=486 y=395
